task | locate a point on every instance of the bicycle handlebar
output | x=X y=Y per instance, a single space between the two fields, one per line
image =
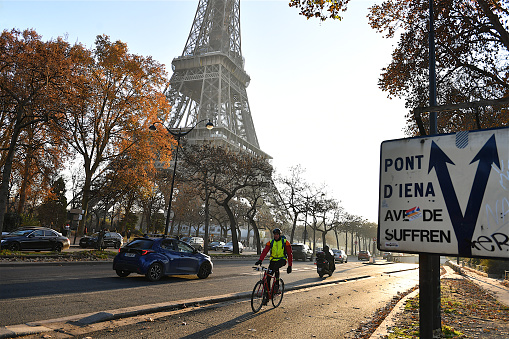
x=260 y=268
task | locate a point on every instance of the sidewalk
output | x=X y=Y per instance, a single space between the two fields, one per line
x=500 y=292
x=494 y=286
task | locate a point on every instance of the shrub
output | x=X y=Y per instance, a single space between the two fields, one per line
x=494 y=266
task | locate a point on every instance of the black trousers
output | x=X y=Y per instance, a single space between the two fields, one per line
x=275 y=265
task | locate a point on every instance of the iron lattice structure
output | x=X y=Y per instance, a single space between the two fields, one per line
x=209 y=80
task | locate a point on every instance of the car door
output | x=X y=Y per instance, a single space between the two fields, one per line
x=35 y=241
x=50 y=239
x=108 y=239
x=187 y=259
x=170 y=251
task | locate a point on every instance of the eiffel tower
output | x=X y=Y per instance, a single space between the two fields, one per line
x=209 y=81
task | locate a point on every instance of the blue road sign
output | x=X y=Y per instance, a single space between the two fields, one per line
x=446 y=194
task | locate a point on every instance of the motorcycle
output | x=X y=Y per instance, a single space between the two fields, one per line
x=323 y=266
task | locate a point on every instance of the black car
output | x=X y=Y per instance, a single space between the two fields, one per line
x=111 y=239
x=216 y=245
x=34 y=238
x=302 y=252
x=157 y=257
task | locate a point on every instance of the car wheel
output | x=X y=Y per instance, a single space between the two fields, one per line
x=117 y=245
x=58 y=247
x=204 y=270
x=122 y=273
x=155 y=272
x=14 y=246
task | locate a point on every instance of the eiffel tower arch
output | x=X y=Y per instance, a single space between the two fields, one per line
x=209 y=81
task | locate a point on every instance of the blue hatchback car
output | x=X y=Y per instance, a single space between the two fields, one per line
x=157 y=257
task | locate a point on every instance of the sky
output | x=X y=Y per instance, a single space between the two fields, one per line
x=313 y=93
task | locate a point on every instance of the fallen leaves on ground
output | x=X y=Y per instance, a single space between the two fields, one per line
x=468 y=311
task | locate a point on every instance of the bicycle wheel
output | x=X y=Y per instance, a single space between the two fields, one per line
x=257 y=296
x=277 y=293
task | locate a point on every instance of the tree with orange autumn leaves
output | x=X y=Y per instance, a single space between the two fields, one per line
x=119 y=96
x=33 y=81
x=472 y=43
x=96 y=104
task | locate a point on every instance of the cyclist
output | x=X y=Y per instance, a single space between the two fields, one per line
x=280 y=250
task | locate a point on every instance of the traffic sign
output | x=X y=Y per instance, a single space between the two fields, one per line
x=446 y=194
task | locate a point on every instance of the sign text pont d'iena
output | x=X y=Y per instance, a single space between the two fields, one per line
x=409 y=189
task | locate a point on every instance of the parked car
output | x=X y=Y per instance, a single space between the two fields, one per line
x=196 y=242
x=216 y=245
x=387 y=255
x=302 y=252
x=157 y=257
x=364 y=255
x=340 y=256
x=111 y=239
x=229 y=247
x=35 y=238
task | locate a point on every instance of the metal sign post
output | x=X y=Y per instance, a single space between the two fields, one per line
x=430 y=323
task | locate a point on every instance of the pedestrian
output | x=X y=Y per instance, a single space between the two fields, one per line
x=100 y=240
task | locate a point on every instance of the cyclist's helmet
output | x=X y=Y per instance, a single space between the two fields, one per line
x=276 y=231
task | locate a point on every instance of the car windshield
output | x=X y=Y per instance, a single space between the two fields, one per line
x=143 y=244
x=297 y=247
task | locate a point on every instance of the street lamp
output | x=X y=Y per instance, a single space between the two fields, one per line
x=177 y=134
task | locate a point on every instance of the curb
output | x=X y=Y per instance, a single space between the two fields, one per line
x=95 y=262
x=52 y=263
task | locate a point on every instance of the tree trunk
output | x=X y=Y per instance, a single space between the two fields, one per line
x=346 y=242
x=233 y=227
x=294 y=225
x=85 y=201
x=24 y=182
x=6 y=175
x=207 y=218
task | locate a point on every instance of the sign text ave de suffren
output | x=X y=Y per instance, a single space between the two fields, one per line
x=446 y=194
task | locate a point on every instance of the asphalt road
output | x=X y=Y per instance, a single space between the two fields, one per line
x=36 y=292
x=323 y=311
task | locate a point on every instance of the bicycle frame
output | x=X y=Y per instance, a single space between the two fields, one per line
x=266 y=279
x=262 y=293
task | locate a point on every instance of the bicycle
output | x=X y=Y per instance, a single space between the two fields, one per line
x=261 y=293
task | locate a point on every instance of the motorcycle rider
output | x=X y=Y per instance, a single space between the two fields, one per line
x=329 y=256
x=280 y=250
